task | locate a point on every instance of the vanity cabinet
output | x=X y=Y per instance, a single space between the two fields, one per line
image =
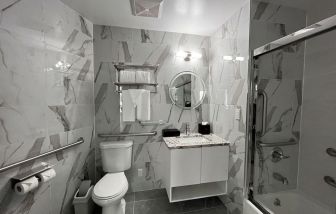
x=199 y=172
x=214 y=165
x=185 y=166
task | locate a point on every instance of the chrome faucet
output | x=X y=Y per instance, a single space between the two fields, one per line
x=187 y=130
x=277 y=176
x=278 y=155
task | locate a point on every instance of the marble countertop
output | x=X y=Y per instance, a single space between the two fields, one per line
x=194 y=140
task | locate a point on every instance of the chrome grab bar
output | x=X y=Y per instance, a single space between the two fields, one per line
x=263 y=94
x=79 y=141
x=331 y=152
x=289 y=143
x=128 y=134
x=330 y=181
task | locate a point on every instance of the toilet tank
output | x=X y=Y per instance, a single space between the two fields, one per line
x=116 y=155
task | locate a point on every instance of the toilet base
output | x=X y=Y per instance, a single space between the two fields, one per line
x=116 y=208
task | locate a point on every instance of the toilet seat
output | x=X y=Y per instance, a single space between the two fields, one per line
x=111 y=186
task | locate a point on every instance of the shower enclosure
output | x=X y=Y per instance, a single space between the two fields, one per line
x=292 y=123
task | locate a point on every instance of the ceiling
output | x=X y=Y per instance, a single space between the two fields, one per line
x=200 y=17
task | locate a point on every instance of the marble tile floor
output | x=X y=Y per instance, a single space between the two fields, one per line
x=156 y=202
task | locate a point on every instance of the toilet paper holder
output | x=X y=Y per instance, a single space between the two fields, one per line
x=34 y=171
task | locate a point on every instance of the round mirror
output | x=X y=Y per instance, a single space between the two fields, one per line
x=187 y=90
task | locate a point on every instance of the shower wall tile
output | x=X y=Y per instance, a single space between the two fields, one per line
x=140 y=46
x=271 y=21
x=228 y=93
x=317 y=124
x=44 y=106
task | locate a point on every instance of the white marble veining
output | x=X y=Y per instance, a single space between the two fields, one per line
x=194 y=140
x=142 y=46
x=228 y=94
x=43 y=107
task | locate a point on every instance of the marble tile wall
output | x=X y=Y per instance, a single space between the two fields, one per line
x=140 y=47
x=44 y=106
x=228 y=93
x=280 y=75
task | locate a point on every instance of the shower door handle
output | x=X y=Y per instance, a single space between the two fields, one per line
x=262 y=93
x=331 y=152
x=330 y=180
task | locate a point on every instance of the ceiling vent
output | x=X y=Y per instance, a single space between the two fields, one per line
x=147 y=8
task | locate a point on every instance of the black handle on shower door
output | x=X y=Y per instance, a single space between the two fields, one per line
x=330 y=180
x=331 y=152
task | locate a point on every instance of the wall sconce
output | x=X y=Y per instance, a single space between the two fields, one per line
x=188 y=55
x=234 y=58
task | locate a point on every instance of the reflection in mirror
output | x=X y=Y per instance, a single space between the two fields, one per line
x=187 y=90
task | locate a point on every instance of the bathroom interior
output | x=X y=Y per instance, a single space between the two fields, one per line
x=167 y=106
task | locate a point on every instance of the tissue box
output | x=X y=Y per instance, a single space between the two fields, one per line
x=204 y=128
x=170 y=132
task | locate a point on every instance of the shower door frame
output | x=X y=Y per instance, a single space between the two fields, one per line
x=311 y=31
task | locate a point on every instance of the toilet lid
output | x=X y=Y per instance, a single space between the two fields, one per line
x=111 y=185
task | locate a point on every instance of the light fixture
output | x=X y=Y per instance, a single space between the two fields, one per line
x=188 y=55
x=239 y=58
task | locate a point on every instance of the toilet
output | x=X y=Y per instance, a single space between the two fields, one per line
x=109 y=191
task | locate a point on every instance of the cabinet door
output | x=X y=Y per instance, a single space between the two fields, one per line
x=185 y=166
x=215 y=164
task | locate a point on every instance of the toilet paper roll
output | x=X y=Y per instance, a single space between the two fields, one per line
x=46 y=175
x=26 y=186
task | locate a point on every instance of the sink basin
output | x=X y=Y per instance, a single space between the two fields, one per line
x=192 y=140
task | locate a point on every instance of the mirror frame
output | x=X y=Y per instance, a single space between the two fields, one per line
x=171 y=84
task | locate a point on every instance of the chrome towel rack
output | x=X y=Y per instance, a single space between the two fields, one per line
x=289 y=143
x=79 y=141
x=128 y=134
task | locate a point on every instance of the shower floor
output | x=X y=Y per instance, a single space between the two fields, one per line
x=291 y=202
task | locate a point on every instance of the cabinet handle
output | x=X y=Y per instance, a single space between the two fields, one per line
x=331 y=152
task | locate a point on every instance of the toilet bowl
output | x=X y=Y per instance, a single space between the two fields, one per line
x=109 y=192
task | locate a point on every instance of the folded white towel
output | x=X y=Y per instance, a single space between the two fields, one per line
x=141 y=99
x=128 y=107
x=143 y=76
x=127 y=76
x=143 y=109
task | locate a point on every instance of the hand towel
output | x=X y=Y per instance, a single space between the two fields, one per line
x=141 y=99
x=128 y=107
x=143 y=109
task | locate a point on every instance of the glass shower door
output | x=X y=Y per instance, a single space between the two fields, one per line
x=293 y=130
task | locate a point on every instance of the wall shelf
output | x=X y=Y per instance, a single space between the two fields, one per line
x=120 y=67
x=145 y=67
x=183 y=193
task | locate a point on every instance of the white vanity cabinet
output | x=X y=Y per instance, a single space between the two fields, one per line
x=196 y=172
